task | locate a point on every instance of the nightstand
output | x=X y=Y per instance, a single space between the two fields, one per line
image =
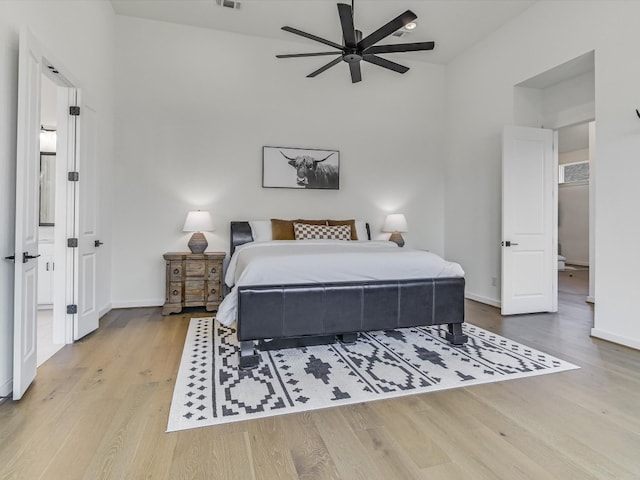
x=193 y=280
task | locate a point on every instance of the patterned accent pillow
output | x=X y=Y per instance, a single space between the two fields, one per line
x=283 y=229
x=351 y=223
x=305 y=231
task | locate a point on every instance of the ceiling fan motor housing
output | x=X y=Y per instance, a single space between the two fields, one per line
x=352 y=56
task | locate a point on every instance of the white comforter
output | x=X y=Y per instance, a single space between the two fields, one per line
x=312 y=261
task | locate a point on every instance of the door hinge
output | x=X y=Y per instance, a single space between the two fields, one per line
x=72 y=242
x=73 y=176
x=71 y=309
x=74 y=110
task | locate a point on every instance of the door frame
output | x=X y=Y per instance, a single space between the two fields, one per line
x=66 y=152
x=591 y=121
x=64 y=215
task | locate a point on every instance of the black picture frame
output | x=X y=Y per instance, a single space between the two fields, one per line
x=300 y=168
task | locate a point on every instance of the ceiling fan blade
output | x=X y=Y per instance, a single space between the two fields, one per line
x=400 y=47
x=387 y=29
x=325 y=67
x=317 y=54
x=312 y=37
x=356 y=73
x=346 y=20
x=383 y=62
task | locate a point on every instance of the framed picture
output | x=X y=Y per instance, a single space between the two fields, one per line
x=286 y=167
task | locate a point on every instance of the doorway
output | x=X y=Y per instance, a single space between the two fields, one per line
x=574 y=154
x=560 y=99
x=72 y=208
x=47 y=261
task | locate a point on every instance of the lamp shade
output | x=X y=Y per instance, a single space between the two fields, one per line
x=396 y=222
x=198 y=221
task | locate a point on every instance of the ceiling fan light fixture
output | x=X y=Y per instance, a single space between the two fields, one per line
x=357 y=49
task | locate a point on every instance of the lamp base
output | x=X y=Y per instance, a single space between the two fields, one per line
x=396 y=237
x=198 y=243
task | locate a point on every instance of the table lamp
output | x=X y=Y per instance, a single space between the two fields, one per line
x=198 y=222
x=395 y=223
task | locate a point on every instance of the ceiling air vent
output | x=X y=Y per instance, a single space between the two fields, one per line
x=399 y=33
x=228 y=4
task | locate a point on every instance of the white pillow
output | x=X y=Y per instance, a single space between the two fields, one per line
x=261 y=230
x=361 y=230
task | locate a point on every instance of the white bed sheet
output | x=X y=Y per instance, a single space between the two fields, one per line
x=316 y=261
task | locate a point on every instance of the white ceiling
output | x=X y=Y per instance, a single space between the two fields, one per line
x=455 y=25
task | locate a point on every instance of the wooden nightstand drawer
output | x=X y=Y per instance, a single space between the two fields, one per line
x=175 y=271
x=193 y=280
x=194 y=291
x=194 y=268
x=213 y=271
x=174 y=293
x=215 y=295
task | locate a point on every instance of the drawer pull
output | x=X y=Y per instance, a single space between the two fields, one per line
x=213 y=270
x=213 y=290
x=175 y=292
x=176 y=271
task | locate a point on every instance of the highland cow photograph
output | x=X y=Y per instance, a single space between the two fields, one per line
x=285 y=167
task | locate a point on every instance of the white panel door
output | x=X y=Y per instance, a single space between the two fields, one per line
x=26 y=224
x=87 y=319
x=529 y=221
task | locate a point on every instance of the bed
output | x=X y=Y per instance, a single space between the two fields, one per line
x=307 y=311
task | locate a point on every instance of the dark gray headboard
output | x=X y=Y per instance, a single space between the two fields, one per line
x=241 y=234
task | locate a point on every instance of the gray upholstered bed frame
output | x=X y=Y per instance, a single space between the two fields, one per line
x=291 y=315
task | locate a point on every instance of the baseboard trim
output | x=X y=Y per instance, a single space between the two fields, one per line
x=481 y=299
x=104 y=310
x=612 y=337
x=138 y=303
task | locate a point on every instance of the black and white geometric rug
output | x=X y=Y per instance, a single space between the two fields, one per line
x=211 y=390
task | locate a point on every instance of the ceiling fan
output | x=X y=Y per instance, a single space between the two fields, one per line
x=356 y=48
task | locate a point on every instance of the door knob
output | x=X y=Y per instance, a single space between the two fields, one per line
x=97 y=243
x=508 y=243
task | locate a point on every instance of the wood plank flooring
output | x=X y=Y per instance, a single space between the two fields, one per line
x=98 y=410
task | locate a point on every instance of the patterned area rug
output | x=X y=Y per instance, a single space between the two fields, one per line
x=211 y=390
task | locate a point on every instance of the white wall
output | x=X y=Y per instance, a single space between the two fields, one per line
x=556 y=105
x=569 y=102
x=573 y=213
x=480 y=101
x=81 y=36
x=573 y=222
x=194 y=109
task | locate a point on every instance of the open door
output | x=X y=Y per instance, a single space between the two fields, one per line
x=26 y=223
x=75 y=212
x=529 y=221
x=87 y=317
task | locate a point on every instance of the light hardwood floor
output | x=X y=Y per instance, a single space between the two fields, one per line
x=98 y=409
x=46 y=347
